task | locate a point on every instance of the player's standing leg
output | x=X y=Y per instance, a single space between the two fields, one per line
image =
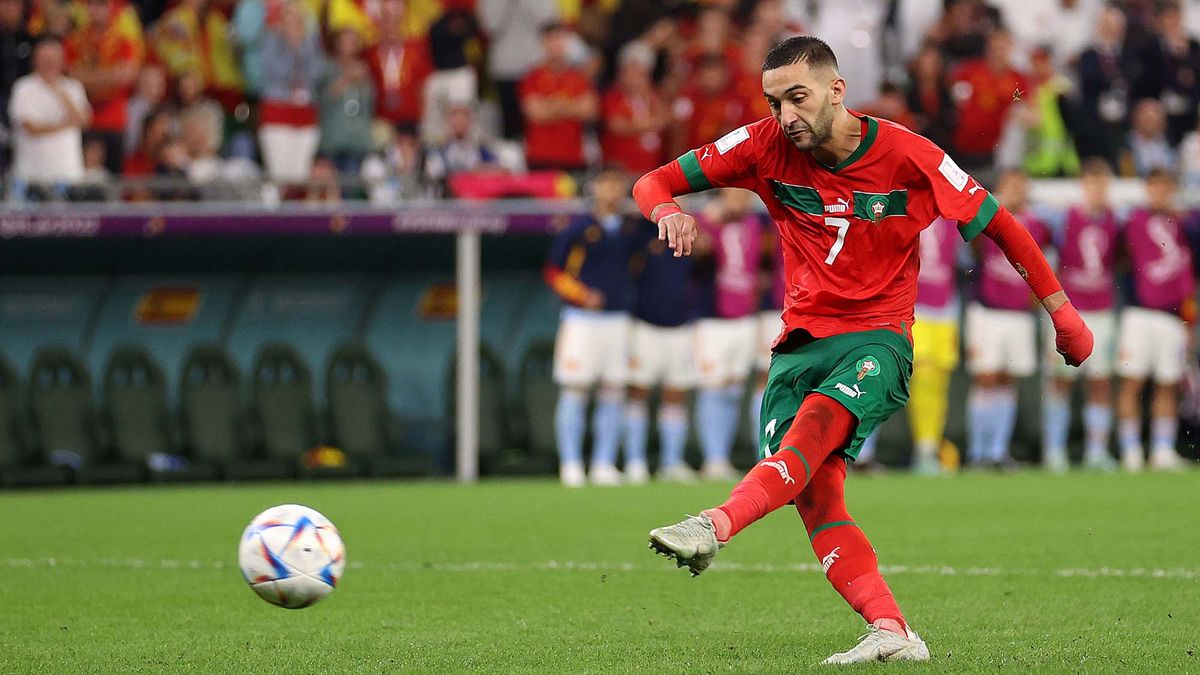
x=1056 y=422
x=935 y=355
x=608 y=415
x=996 y=348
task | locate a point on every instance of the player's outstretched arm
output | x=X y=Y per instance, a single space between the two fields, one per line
x=655 y=195
x=1073 y=338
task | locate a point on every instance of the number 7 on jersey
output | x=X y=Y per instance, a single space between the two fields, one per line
x=842 y=226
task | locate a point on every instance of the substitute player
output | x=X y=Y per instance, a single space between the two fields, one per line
x=1001 y=336
x=1086 y=258
x=850 y=195
x=1155 y=332
x=727 y=333
x=589 y=269
x=661 y=354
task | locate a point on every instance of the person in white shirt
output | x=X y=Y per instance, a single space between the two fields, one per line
x=48 y=111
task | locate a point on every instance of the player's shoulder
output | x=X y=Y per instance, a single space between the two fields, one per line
x=896 y=136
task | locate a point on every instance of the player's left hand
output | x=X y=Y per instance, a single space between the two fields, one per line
x=1072 y=338
x=679 y=229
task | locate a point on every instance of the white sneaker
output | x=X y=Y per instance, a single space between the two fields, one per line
x=1098 y=462
x=1133 y=461
x=691 y=542
x=722 y=471
x=927 y=466
x=571 y=474
x=1166 y=459
x=677 y=473
x=637 y=473
x=883 y=645
x=605 y=475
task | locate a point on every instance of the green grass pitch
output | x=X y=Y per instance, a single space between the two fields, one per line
x=1025 y=572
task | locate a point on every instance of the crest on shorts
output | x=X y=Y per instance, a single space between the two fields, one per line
x=867 y=366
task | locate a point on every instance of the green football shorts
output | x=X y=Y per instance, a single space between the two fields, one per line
x=865 y=371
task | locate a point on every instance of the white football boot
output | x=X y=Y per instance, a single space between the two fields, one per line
x=883 y=645
x=571 y=474
x=1133 y=460
x=1166 y=459
x=1099 y=462
x=677 y=473
x=637 y=473
x=720 y=470
x=605 y=475
x=691 y=542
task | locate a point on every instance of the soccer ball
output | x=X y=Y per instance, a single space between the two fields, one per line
x=291 y=555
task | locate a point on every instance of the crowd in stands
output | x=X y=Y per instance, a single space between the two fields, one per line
x=399 y=99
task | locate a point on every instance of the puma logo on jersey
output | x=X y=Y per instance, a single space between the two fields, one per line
x=852 y=392
x=782 y=469
x=841 y=206
x=829 y=559
x=974 y=188
x=707 y=154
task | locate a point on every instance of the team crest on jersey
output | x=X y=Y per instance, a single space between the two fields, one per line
x=867 y=366
x=877 y=206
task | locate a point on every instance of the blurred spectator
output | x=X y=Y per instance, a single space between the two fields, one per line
x=1149 y=148
x=48 y=111
x=150 y=92
x=891 y=105
x=463 y=151
x=394 y=175
x=105 y=55
x=157 y=128
x=984 y=89
x=96 y=183
x=1189 y=161
x=962 y=31
x=769 y=20
x=914 y=20
x=16 y=51
x=360 y=16
x=1066 y=25
x=170 y=173
x=194 y=38
x=929 y=96
x=49 y=17
x=755 y=45
x=189 y=95
x=248 y=32
x=713 y=35
x=399 y=66
x=1037 y=136
x=1178 y=57
x=634 y=115
x=347 y=102
x=708 y=108
x=556 y=100
x=512 y=28
x=292 y=64
x=1104 y=84
x=323 y=186
x=454 y=77
x=853 y=29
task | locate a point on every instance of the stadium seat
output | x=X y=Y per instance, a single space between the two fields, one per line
x=64 y=419
x=18 y=465
x=137 y=417
x=211 y=413
x=39 y=310
x=284 y=413
x=493 y=425
x=359 y=420
x=540 y=396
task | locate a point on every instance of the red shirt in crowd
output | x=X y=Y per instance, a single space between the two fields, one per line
x=636 y=153
x=705 y=116
x=399 y=71
x=103 y=48
x=559 y=143
x=983 y=96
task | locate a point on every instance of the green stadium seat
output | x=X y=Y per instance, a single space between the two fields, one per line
x=359 y=420
x=137 y=416
x=19 y=466
x=211 y=414
x=60 y=400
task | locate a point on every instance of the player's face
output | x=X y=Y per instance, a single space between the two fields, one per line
x=1160 y=193
x=1095 y=189
x=803 y=101
x=609 y=191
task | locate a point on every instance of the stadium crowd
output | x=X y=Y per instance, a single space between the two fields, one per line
x=396 y=99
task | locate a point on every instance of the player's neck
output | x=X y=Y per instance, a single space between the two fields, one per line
x=847 y=136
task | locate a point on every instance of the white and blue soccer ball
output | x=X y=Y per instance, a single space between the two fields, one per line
x=292 y=556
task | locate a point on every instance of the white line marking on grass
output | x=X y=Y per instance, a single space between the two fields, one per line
x=588 y=566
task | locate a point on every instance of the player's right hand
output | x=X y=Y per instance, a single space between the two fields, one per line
x=679 y=230
x=1072 y=338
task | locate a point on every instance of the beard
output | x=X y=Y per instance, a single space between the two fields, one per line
x=818 y=133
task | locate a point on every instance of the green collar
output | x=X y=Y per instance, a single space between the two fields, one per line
x=865 y=144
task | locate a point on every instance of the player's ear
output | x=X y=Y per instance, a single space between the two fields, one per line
x=837 y=90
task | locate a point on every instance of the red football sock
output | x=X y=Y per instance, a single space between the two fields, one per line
x=822 y=426
x=845 y=554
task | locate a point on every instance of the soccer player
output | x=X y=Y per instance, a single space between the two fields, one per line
x=727 y=335
x=1155 y=340
x=661 y=354
x=1001 y=336
x=850 y=195
x=1086 y=254
x=589 y=269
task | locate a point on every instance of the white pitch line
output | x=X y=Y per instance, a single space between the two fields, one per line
x=587 y=566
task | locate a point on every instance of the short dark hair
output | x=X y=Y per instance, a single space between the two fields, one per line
x=1161 y=175
x=806 y=48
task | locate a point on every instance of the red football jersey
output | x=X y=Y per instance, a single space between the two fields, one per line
x=849 y=232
